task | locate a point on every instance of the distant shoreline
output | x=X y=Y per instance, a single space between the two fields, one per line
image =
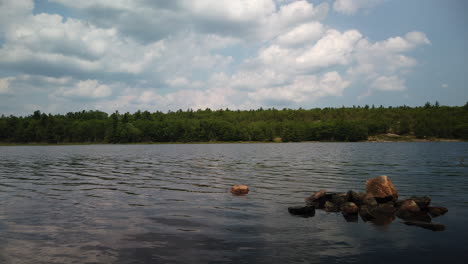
x=372 y=139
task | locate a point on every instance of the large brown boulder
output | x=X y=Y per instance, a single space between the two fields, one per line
x=381 y=188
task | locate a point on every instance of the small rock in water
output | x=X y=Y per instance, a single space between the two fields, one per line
x=351 y=217
x=384 y=209
x=423 y=202
x=413 y=216
x=355 y=197
x=369 y=201
x=302 y=210
x=365 y=213
x=339 y=199
x=437 y=211
x=381 y=187
x=349 y=208
x=239 y=189
x=430 y=226
x=331 y=207
x=409 y=206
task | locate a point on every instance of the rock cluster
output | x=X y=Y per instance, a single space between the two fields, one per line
x=379 y=204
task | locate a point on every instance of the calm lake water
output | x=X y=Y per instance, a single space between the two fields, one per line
x=171 y=203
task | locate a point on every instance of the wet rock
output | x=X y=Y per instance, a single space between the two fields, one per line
x=383 y=220
x=420 y=216
x=423 y=201
x=437 y=211
x=349 y=208
x=355 y=197
x=351 y=217
x=381 y=187
x=339 y=199
x=409 y=206
x=384 y=209
x=369 y=201
x=319 y=198
x=430 y=226
x=380 y=215
x=316 y=196
x=239 y=189
x=331 y=207
x=365 y=213
x=385 y=199
x=302 y=210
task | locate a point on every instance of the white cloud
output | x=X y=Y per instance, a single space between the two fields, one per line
x=445 y=86
x=216 y=54
x=306 y=33
x=351 y=7
x=304 y=88
x=87 y=88
x=5 y=85
x=389 y=83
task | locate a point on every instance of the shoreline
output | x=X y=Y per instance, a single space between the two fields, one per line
x=387 y=138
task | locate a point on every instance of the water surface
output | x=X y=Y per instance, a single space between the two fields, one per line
x=170 y=203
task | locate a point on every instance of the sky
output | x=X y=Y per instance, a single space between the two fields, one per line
x=60 y=56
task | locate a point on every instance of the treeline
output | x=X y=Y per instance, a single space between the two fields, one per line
x=327 y=124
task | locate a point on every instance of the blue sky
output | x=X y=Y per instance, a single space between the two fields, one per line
x=59 y=56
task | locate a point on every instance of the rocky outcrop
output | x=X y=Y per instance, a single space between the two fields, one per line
x=379 y=205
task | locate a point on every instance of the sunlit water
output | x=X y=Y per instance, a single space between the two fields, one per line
x=171 y=203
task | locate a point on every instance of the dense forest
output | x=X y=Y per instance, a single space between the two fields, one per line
x=327 y=124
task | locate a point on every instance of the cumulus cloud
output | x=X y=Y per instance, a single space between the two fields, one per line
x=88 y=88
x=237 y=54
x=351 y=7
x=5 y=85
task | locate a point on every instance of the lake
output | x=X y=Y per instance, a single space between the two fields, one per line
x=171 y=203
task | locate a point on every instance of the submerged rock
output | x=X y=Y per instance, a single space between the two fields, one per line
x=437 y=211
x=302 y=210
x=384 y=209
x=351 y=217
x=414 y=216
x=239 y=189
x=381 y=188
x=430 y=226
